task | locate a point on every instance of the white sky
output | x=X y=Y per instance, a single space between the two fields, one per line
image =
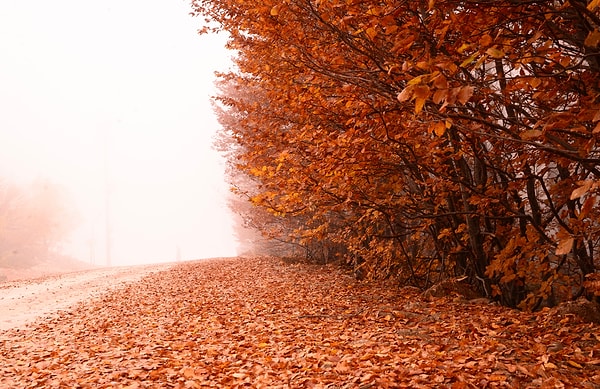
x=76 y=73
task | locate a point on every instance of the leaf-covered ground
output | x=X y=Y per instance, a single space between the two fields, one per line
x=257 y=322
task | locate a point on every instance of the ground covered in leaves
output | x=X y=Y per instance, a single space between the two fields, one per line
x=258 y=322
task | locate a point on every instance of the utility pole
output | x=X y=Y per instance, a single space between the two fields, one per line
x=92 y=242
x=107 y=199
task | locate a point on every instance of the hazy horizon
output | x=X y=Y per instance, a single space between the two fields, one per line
x=120 y=88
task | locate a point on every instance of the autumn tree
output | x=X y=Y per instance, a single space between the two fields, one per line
x=34 y=221
x=261 y=229
x=427 y=139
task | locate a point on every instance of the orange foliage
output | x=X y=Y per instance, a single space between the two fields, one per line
x=424 y=139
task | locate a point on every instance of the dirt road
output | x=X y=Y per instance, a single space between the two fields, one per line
x=21 y=302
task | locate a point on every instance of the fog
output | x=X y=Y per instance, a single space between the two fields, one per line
x=110 y=101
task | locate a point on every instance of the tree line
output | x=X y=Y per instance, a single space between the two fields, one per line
x=420 y=139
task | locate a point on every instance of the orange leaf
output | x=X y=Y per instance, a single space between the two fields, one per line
x=583 y=189
x=495 y=52
x=531 y=134
x=424 y=65
x=440 y=82
x=417 y=80
x=188 y=372
x=371 y=33
x=593 y=39
x=405 y=94
x=469 y=60
x=422 y=92
x=440 y=95
x=496 y=377
x=464 y=94
x=485 y=40
x=534 y=82
x=439 y=128
x=419 y=104
x=342 y=367
x=587 y=206
x=593 y=5
x=565 y=246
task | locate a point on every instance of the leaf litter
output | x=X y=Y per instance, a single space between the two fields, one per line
x=262 y=323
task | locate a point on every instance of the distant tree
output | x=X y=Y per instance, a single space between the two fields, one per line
x=33 y=222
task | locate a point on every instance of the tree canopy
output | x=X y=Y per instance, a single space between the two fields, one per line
x=422 y=139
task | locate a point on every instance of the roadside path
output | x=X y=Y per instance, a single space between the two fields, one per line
x=21 y=302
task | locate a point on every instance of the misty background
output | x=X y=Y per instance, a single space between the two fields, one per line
x=113 y=98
